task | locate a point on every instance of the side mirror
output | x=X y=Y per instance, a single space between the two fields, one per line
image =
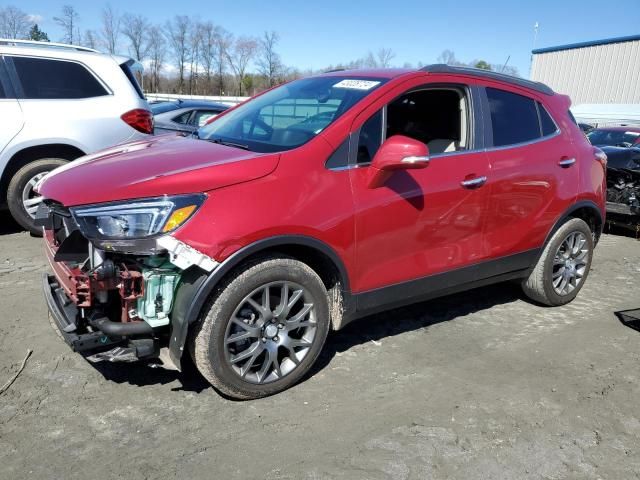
x=397 y=153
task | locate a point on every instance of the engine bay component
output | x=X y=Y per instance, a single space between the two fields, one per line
x=183 y=256
x=160 y=284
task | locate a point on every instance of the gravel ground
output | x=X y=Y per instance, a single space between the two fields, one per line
x=477 y=385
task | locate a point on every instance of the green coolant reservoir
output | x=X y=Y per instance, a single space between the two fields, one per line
x=160 y=284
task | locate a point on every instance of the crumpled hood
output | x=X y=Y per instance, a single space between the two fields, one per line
x=165 y=165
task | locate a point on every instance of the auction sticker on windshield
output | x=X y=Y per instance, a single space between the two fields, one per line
x=357 y=84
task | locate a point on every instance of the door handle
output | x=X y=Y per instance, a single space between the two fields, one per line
x=566 y=162
x=474 y=182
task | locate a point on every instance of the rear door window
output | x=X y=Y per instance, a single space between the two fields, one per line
x=56 y=79
x=514 y=118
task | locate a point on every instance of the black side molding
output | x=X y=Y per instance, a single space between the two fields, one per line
x=446 y=283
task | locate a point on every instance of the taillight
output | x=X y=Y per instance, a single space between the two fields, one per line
x=140 y=119
x=600 y=156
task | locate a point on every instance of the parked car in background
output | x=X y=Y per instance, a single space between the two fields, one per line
x=316 y=203
x=623 y=186
x=184 y=115
x=585 y=127
x=57 y=103
x=615 y=136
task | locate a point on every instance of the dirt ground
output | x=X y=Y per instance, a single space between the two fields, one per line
x=477 y=385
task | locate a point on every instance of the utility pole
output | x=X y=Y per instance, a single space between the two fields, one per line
x=535 y=40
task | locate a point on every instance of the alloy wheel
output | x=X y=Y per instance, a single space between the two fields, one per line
x=270 y=332
x=30 y=199
x=570 y=263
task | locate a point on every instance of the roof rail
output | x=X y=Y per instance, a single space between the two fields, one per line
x=335 y=70
x=478 y=72
x=34 y=43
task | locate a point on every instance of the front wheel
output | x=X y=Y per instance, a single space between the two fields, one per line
x=263 y=330
x=563 y=266
x=23 y=201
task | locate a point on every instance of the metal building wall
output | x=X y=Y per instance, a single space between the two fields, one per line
x=607 y=73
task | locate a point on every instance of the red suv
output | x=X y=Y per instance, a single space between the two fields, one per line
x=316 y=203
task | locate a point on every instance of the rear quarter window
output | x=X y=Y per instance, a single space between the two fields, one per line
x=56 y=79
x=514 y=118
x=547 y=125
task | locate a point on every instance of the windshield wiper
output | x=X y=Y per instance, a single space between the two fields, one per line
x=228 y=144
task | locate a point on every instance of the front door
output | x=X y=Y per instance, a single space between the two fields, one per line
x=420 y=222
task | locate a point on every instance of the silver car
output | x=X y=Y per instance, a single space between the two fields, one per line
x=184 y=115
x=60 y=102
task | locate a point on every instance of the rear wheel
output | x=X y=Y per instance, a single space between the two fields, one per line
x=563 y=266
x=23 y=201
x=263 y=330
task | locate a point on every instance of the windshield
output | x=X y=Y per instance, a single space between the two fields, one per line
x=290 y=115
x=612 y=137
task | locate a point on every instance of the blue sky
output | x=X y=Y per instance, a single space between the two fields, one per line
x=316 y=34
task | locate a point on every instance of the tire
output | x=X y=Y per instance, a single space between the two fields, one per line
x=248 y=368
x=21 y=186
x=558 y=262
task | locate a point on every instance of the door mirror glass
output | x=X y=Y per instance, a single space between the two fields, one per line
x=397 y=153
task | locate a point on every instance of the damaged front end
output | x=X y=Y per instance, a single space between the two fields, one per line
x=117 y=275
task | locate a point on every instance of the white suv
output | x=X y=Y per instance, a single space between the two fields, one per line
x=57 y=103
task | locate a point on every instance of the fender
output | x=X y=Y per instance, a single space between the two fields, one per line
x=576 y=206
x=563 y=218
x=198 y=286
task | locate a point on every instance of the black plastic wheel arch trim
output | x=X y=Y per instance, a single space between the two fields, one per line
x=193 y=294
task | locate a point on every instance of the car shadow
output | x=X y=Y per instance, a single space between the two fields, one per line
x=8 y=225
x=384 y=325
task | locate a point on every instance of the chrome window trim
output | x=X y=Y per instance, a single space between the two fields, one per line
x=465 y=152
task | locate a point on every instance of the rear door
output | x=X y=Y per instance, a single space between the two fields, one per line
x=12 y=118
x=534 y=174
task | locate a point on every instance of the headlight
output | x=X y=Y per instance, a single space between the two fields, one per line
x=113 y=225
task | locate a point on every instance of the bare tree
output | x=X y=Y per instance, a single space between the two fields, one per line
x=178 y=35
x=208 y=50
x=110 y=31
x=269 y=62
x=224 y=41
x=447 y=57
x=135 y=28
x=195 y=42
x=68 y=21
x=369 y=61
x=14 y=23
x=157 y=49
x=385 y=55
x=90 y=39
x=243 y=51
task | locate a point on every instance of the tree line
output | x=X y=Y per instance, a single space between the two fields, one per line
x=191 y=56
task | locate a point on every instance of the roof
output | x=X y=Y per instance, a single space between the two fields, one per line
x=490 y=74
x=369 y=72
x=593 y=43
x=389 y=73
